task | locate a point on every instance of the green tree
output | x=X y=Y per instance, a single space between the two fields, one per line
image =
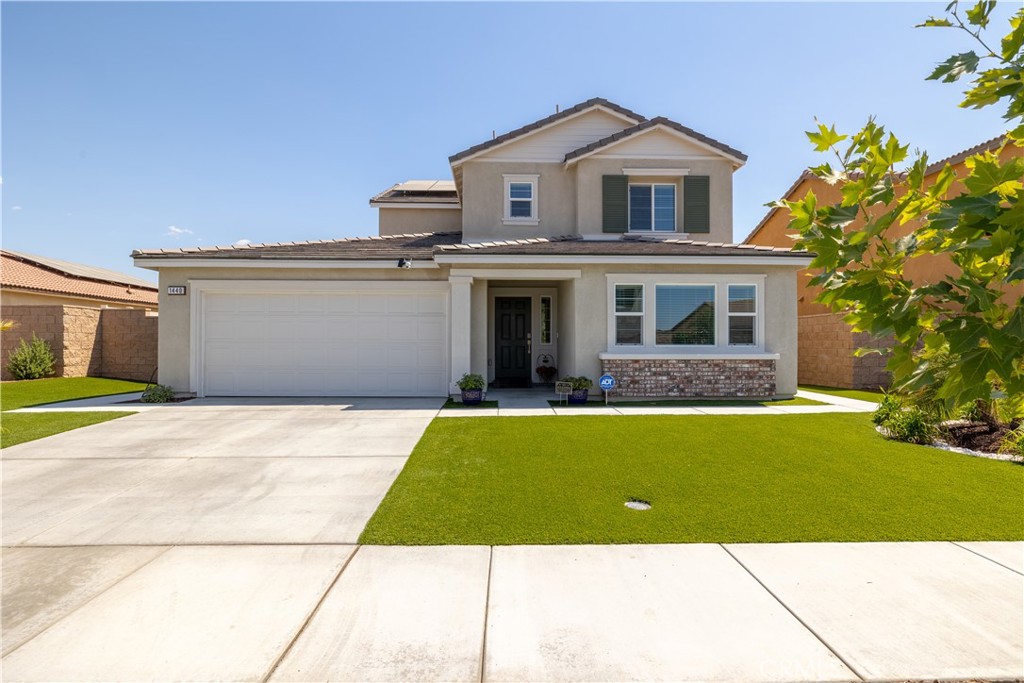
x=961 y=338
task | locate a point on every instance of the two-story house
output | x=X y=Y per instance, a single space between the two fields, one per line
x=594 y=240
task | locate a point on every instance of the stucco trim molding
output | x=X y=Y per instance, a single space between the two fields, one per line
x=618 y=355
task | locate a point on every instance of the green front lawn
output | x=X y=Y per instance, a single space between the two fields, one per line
x=859 y=394
x=33 y=392
x=451 y=403
x=710 y=479
x=21 y=427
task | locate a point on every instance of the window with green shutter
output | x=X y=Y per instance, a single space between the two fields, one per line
x=615 y=203
x=696 y=203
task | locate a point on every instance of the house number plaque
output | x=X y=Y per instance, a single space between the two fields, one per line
x=176 y=290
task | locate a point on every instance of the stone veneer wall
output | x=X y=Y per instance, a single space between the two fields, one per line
x=825 y=354
x=655 y=377
x=79 y=339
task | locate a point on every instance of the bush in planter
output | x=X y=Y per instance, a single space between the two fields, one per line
x=580 y=388
x=31 y=361
x=890 y=403
x=157 y=393
x=472 y=386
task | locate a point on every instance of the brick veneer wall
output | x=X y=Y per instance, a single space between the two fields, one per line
x=78 y=337
x=825 y=354
x=653 y=377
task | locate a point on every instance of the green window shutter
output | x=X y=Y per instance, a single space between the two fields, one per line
x=696 y=203
x=614 y=190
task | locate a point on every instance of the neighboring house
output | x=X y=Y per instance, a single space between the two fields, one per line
x=577 y=237
x=28 y=280
x=97 y=322
x=827 y=344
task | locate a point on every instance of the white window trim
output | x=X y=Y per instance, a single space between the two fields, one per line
x=534 y=218
x=720 y=282
x=675 y=208
x=743 y=314
x=642 y=314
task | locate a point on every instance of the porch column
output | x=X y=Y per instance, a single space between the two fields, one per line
x=461 y=319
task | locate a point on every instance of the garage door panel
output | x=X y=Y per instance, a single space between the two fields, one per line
x=332 y=343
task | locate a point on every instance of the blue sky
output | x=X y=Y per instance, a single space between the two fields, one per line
x=277 y=122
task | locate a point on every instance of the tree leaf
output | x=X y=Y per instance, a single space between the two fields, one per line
x=978 y=15
x=955 y=67
x=934 y=22
x=1013 y=40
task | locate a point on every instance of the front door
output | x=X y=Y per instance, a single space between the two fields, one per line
x=512 y=365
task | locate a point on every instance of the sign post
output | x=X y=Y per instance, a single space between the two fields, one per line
x=563 y=389
x=607 y=383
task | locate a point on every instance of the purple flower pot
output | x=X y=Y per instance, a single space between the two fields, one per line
x=472 y=397
x=579 y=396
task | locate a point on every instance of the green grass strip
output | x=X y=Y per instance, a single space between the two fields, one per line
x=710 y=479
x=21 y=427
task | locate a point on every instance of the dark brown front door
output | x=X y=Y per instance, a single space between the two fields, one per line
x=512 y=341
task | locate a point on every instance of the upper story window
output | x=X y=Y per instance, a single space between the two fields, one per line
x=521 y=199
x=652 y=207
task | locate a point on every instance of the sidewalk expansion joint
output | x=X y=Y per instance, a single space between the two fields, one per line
x=803 y=623
x=986 y=557
x=309 y=617
x=487 y=615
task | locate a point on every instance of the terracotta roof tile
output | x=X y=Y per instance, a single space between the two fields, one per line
x=20 y=272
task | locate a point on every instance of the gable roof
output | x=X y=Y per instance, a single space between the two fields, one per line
x=987 y=146
x=45 y=275
x=543 y=123
x=388 y=247
x=652 y=124
x=427 y=246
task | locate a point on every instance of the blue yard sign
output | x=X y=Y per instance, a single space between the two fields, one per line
x=607 y=382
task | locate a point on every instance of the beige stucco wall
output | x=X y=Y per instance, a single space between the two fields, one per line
x=591 y=305
x=589 y=204
x=175 y=311
x=405 y=221
x=13 y=297
x=581 y=312
x=483 y=200
x=570 y=199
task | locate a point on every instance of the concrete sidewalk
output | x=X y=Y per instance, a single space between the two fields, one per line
x=772 y=612
x=534 y=403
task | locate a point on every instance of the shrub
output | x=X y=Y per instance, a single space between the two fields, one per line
x=912 y=425
x=577 y=383
x=471 y=381
x=890 y=403
x=31 y=361
x=1013 y=442
x=157 y=393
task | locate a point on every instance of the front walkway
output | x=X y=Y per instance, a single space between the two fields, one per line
x=708 y=612
x=534 y=402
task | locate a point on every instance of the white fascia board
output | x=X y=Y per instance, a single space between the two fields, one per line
x=157 y=262
x=620 y=115
x=736 y=161
x=517 y=273
x=795 y=261
x=414 y=205
x=317 y=286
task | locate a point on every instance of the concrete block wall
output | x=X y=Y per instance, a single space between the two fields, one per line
x=118 y=343
x=129 y=344
x=825 y=354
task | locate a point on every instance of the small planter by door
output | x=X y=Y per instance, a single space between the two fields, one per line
x=472 y=397
x=579 y=396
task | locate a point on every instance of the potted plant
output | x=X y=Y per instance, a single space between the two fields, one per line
x=546 y=373
x=580 y=389
x=472 y=387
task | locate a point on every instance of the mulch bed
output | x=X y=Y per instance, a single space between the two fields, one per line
x=977 y=436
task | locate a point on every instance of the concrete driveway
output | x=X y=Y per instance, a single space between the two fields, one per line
x=213 y=471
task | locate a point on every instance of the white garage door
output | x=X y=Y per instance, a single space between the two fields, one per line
x=338 y=343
